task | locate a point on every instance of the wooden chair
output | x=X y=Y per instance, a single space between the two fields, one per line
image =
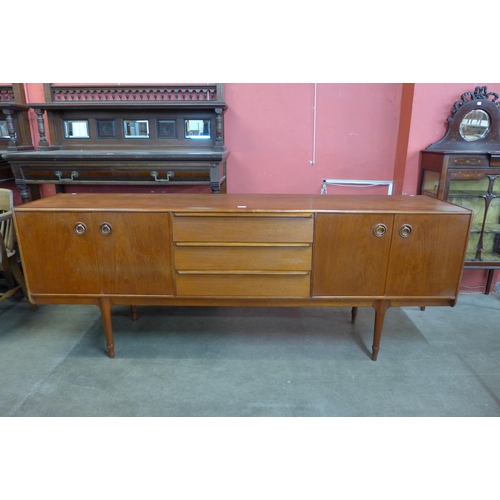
x=14 y=278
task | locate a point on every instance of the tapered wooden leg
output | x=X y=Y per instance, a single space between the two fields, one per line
x=380 y=307
x=105 y=306
x=133 y=312
x=354 y=313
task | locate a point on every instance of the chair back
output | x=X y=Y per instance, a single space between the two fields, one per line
x=6 y=222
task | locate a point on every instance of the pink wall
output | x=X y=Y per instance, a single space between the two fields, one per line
x=270 y=133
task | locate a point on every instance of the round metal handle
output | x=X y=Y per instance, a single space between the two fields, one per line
x=106 y=229
x=405 y=230
x=379 y=230
x=80 y=228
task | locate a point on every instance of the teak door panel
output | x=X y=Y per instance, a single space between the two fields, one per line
x=56 y=259
x=349 y=259
x=428 y=261
x=135 y=257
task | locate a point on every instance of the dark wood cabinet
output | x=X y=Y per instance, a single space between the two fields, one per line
x=243 y=250
x=15 y=133
x=464 y=168
x=126 y=136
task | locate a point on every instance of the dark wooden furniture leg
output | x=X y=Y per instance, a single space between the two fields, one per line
x=133 y=312
x=488 y=281
x=354 y=313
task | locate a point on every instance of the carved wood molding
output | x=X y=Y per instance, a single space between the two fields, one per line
x=134 y=93
x=478 y=94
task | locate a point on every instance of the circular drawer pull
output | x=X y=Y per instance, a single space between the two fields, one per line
x=80 y=228
x=106 y=229
x=379 y=230
x=405 y=230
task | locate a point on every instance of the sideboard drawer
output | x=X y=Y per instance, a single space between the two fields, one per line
x=243 y=285
x=238 y=228
x=271 y=257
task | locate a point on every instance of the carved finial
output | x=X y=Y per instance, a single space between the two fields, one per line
x=478 y=94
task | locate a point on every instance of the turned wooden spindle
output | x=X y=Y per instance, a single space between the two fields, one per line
x=41 y=128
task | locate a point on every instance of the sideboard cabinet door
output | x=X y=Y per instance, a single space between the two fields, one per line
x=58 y=252
x=351 y=254
x=121 y=253
x=134 y=253
x=426 y=254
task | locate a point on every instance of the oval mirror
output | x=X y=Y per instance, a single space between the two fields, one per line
x=475 y=125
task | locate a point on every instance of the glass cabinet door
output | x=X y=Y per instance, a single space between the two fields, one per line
x=483 y=198
x=430 y=183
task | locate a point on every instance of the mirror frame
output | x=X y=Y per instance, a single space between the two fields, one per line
x=453 y=139
x=141 y=121
x=66 y=124
x=206 y=122
x=474 y=120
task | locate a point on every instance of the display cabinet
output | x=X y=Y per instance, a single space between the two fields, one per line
x=126 y=135
x=464 y=168
x=14 y=126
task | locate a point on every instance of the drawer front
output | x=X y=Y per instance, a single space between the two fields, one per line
x=78 y=174
x=243 y=285
x=239 y=229
x=256 y=258
x=162 y=175
x=65 y=175
x=469 y=161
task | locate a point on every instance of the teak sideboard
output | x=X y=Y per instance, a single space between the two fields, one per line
x=242 y=250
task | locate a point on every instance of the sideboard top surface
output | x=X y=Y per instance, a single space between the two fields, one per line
x=241 y=203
